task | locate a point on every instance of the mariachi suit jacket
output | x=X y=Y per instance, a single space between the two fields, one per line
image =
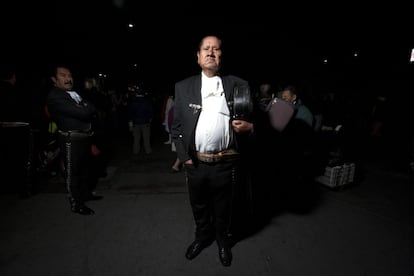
x=67 y=114
x=187 y=110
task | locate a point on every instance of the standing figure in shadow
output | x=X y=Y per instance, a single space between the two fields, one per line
x=73 y=116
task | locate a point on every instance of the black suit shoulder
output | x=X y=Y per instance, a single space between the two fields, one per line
x=188 y=80
x=236 y=79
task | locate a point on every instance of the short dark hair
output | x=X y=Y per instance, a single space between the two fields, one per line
x=53 y=68
x=290 y=88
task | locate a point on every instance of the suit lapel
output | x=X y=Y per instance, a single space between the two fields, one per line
x=228 y=88
x=197 y=89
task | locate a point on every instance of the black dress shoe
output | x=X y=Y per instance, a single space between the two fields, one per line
x=195 y=249
x=82 y=209
x=225 y=256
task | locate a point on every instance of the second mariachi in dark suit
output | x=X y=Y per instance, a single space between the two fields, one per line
x=73 y=117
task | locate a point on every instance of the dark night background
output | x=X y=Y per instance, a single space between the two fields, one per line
x=363 y=231
x=261 y=42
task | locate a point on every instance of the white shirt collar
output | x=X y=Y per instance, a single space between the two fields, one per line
x=75 y=96
x=211 y=86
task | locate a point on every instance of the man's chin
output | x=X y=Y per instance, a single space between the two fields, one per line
x=211 y=66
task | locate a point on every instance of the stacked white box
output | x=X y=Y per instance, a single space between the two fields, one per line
x=337 y=176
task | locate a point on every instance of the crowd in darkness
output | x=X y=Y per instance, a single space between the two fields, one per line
x=23 y=95
x=373 y=113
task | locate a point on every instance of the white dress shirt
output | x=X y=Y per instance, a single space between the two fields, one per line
x=213 y=127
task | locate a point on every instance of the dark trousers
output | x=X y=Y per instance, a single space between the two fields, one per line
x=76 y=154
x=211 y=191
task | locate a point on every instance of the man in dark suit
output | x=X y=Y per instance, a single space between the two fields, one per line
x=206 y=134
x=73 y=117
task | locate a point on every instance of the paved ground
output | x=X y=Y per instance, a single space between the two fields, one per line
x=144 y=224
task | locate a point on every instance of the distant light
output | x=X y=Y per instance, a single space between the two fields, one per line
x=131 y=25
x=119 y=3
x=355 y=54
x=325 y=61
x=412 y=55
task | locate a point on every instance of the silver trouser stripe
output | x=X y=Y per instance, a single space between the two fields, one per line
x=233 y=186
x=68 y=149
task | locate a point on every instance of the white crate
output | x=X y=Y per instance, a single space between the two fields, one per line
x=337 y=176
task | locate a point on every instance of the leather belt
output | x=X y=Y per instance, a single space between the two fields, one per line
x=76 y=133
x=225 y=155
